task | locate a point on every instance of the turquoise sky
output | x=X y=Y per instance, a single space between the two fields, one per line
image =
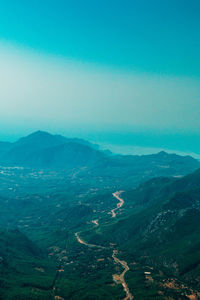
x=160 y=36
x=103 y=70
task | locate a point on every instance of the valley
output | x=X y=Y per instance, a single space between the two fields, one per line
x=117 y=278
x=65 y=233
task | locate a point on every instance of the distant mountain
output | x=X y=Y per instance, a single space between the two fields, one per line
x=42 y=139
x=42 y=150
x=133 y=169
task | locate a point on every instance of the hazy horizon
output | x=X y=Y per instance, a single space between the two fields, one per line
x=131 y=144
x=119 y=74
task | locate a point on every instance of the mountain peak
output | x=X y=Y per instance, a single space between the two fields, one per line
x=39 y=133
x=42 y=139
x=162 y=153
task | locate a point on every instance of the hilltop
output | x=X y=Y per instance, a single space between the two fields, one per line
x=42 y=150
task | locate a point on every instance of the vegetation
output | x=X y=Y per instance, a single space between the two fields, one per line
x=58 y=235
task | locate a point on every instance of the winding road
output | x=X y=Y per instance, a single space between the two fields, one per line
x=120 y=278
x=95 y=222
x=119 y=205
x=86 y=244
x=117 y=278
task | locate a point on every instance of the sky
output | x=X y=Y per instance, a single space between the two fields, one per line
x=114 y=72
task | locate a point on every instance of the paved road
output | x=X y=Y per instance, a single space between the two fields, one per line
x=117 y=278
x=119 y=205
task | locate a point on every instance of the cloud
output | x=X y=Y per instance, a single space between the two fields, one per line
x=40 y=89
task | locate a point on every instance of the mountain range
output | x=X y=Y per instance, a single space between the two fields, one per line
x=63 y=231
x=42 y=150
